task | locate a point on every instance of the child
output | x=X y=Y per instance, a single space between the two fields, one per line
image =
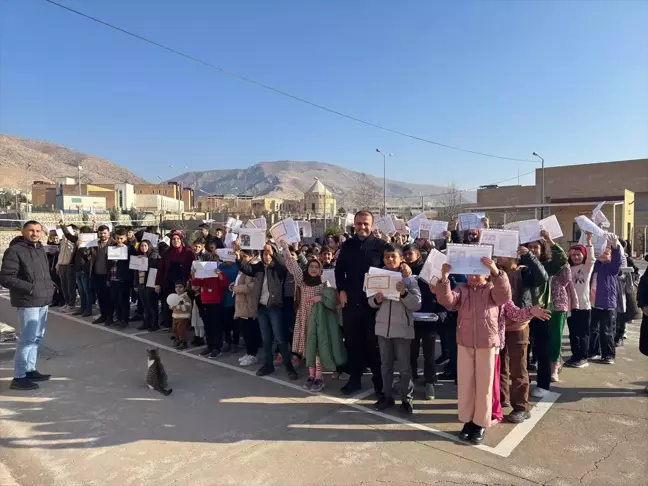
x=478 y=341
x=581 y=259
x=230 y=327
x=212 y=293
x=181 y=314
x=147 y=294
x=604 y=302
x=196 y=319
x=395 y=331
x=326 y=257
x=247 y=291
x=120 y=279
x=310 y=287
x=563 y=298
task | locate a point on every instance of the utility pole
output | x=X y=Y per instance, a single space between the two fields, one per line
x=79 y=178
x=542 y=197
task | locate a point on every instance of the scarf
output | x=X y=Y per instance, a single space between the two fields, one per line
x=172 y=249
x=310 y=280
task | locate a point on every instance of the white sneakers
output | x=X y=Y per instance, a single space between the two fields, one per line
x=539 y=392
x=247 y=360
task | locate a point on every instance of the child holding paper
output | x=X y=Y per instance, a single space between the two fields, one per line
x=212 y=293
x=478 y=342
x=395 y=331
x=147 y=294
x=120 y=279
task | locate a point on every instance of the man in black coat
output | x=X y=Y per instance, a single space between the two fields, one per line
x=357 y=254
x=25 y=272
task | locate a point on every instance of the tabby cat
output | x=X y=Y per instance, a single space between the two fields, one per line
x=156 y=377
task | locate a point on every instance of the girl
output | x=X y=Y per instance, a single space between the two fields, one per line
x=563 y=298
x=147 y=294
x=553 y=259
x=581 y=259
x=478 y=342
x=311 y=287
x=247 y=291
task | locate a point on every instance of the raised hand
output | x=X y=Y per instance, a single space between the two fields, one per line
x=445 y=271
x=490 y=264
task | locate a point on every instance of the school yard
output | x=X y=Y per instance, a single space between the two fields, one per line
x=96 y=423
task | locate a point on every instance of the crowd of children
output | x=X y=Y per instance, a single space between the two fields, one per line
x=494 y=327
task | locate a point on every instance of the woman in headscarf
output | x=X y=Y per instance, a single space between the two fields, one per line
x=174 y=265
x=146 y=293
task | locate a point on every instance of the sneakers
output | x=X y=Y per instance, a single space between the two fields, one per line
x=582 y=363
x=532 y=366
x=181 y=346
x=248 y=360
x=87 y=314
x=215 y=354
x=23 y=384
x=78 y=312
x=619 y=343
x=406 y=407
x=342 y=376
x=309 y=383
x=278 y=359
x=205 y=352
x=266 y=369
x=595 y=357
x=430 y=392
x=295 y=361
x=36 y=376
x=554 y=373
x=539 y=392
x=318 y=385
x=384 y=403
x=518 y=416
x=608 y=361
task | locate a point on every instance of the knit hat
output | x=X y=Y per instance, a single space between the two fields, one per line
x=581 y=249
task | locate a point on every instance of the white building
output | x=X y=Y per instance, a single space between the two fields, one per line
x=76 y=202
x=125 y=196
x=156 y=203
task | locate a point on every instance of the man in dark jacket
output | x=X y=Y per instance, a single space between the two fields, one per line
x=358 y=319
x=25 y=272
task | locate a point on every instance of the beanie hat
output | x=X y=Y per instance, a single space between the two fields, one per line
x=581 y=249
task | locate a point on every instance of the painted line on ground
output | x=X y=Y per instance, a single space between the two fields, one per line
x=503 y=449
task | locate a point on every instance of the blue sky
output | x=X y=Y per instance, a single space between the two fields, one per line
x=566 y=79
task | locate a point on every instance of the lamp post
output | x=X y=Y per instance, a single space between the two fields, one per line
x=543 y=186
x=79 y=168
x=384 y=179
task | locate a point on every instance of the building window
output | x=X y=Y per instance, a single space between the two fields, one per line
x=313 y=206
x=576 y=232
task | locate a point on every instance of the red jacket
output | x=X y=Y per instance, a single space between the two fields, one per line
x=212 y=290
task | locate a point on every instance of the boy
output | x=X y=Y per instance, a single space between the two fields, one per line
x=326 y=257
x=120 y=278
x=395 y=331
x=212 y=294
x=181 y=315
x=198 y=246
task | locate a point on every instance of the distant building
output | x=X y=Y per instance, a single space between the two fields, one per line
x=216 y=203
x=319 y=201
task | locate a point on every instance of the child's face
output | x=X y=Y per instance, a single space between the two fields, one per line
x=130 y=235
x=535 y=249
x=326 y=257
x=120 y=240
x=313 y=269
x=477 y=280
x=197 y=248
x=392 y=260
x=576 y=257
x=179 y=289
x=411 y=256
x=605 y=256
x=267 y=257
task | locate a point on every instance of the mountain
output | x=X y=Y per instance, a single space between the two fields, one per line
x=289 y=179
x=24 y=160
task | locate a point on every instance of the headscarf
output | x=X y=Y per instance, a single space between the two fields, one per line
x=310 y=280
x=173 y=249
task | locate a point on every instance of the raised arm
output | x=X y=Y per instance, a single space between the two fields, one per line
x=537 y=272
x=501 y=291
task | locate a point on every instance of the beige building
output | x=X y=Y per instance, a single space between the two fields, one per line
x=573 y=190
x=319 y=201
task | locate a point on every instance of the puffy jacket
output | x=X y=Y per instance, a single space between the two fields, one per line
x=246 y=295
x=394 y=318
x=353 y=261
x=324 y=337
x=605 y=288
x=212 y=290
x=477 y=322
x=25 y=272
x=563 y=293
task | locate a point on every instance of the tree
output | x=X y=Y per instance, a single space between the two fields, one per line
x=449 y=203
x=365 y=194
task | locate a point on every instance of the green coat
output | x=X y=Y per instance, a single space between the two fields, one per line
x=324 y=337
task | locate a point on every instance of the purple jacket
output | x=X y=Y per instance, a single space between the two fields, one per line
x=606 y=282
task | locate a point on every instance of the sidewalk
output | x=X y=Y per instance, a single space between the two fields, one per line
x=97 y=423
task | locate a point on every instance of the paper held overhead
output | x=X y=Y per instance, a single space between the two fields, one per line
x=305 y=229
x=205 y=269
x=285 y=230
x=385 y=224
x=252 y=238
x=588 y=226
x=415 y=222
x=466 y=259
x=152 y=237
x=468 y=221
x=504 y=242
x=529 y=230
x=431 y=229
x=226 y=254
x=431 y=271
x=552 y=226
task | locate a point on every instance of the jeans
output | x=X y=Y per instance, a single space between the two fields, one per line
x=540 y=336
x=68 y=284
x=271 y=324
x=425 y=333
x=32 y=329
x=579 y=329
x=602 y=333
x=395 y=355
x=83 y=285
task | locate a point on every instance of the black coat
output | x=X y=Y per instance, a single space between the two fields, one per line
x=25 y=272
x=275 y=274
x=429 y=301
x=354 y=260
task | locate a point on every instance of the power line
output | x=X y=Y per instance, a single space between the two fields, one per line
x=279 y=91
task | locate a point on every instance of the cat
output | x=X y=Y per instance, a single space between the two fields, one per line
x=156 y=377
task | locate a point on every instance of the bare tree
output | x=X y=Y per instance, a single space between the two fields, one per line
x=450 y=202
x=365 y=194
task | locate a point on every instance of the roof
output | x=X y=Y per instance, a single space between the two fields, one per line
x=318 y=188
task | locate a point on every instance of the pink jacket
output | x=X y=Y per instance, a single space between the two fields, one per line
x=563 y=293
x=479 y=307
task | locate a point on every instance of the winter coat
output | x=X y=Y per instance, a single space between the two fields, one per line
x=605 y=287
x=140 y=278
x=533 y=278
x=275 y=274
x=324 y=336
x=542 y=294
x=394 y=319
x=25 y=272
x=563 y=295
x=477 y=322
x=246 y=295
x=173 y=266
x=231 y=271
x=429 y=301
x=124 y=273
x=354 y=260
x=212 y=290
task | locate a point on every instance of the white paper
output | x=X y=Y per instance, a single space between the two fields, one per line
x=86 y=238
x=62 y=217
x=431 y=271
x=552 y=226
x=588 y=226
x=379 y=280
x=230 y=238
x=70 y=230
x=599 y=242
x=118 y=253
x=260 y=223
x=51 y=248
x=152 y=237
x=415 y=222
x=529 y=230
x=252 y=238
x=504 y=242
x=92 y=243
x=385 y=224
x=431 y=229
x=285 y=230
x=138 y=262
x=205 y=269
x=350 y=220
x=305 y=229
x=329 y=275
x=400 y=226
x=230 y=222
x=468 y=221
x=59 y=233
x=152 y=275
x=166 y=240
x=226 y=254
x=465 y=259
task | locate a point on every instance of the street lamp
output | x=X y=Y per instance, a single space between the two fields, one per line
x=79 y=168
x=543 y=186
x=384 y=179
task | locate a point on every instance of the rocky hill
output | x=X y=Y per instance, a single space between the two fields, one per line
x=289 y=179
x=24 y=160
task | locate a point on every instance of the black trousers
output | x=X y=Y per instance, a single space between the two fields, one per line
x=100 y=286
x=579 y=333
x=230 y=326
x=424 y=334
x=251 y=335
x=212 y=318
x=540 y=333
x=149 y=299
x=359 y=322
x=450 y=332
x=602 y=333
x=120 y=295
